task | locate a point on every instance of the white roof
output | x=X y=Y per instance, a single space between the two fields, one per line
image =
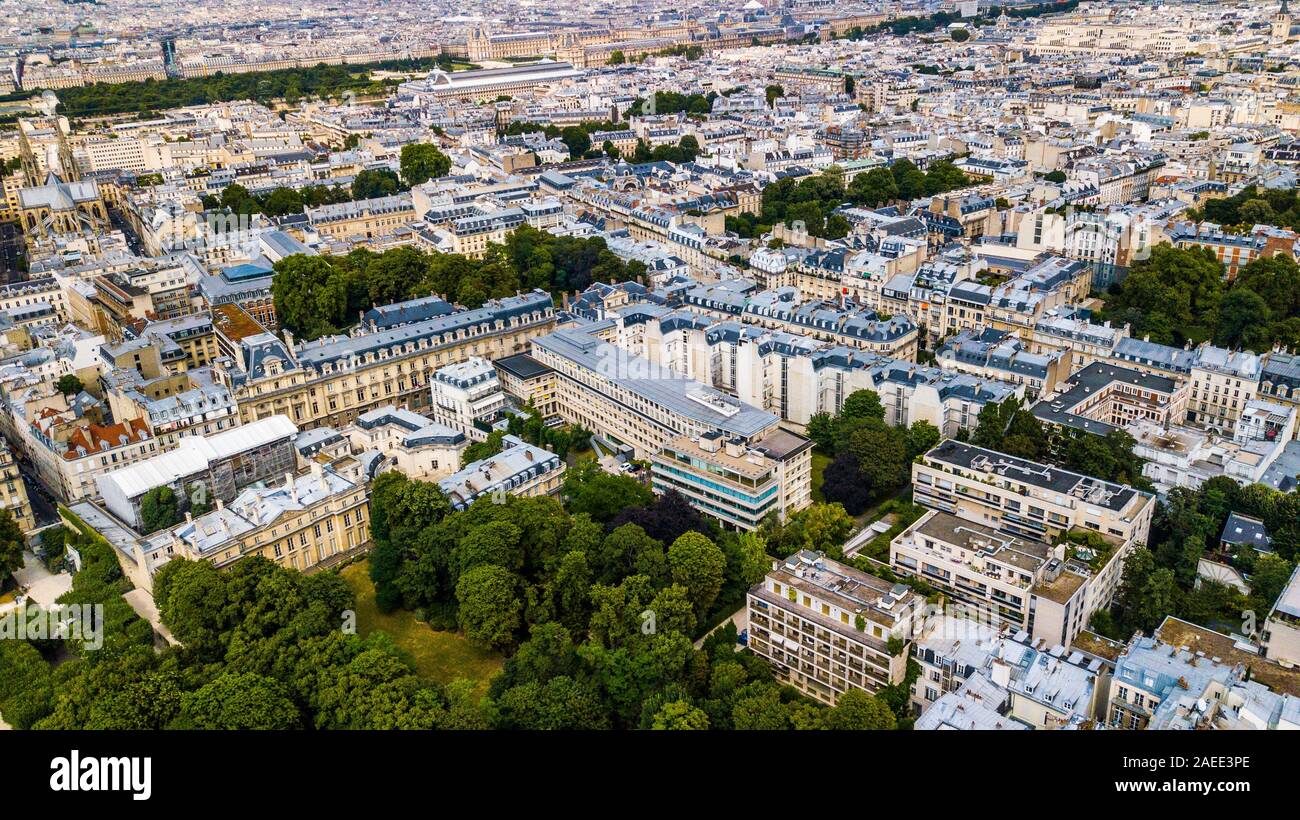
x=194 y=453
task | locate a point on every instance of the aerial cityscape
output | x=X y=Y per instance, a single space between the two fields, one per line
x=610 y=365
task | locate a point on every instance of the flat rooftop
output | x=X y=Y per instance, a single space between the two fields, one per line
x=234 y=322
x=850 y=589
x=1223 y=648
x=1087 y=489
x=523 y=366
x=1023 y=553
x=748 y=464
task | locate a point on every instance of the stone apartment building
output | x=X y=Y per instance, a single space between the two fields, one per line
x=333 y=380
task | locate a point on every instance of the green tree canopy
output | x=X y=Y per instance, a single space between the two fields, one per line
x=421 y=161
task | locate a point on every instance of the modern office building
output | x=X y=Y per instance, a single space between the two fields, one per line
x=1050 y=590
x=634 y=401
x=736 y=482
x=732 y=460
x=529 y=381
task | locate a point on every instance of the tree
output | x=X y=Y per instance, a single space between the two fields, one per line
x=1159 y=598
x=759 y=712
x=960 y=35
x=310 y=298
x=568 y=590
x=1269 y=579
x=1174 y=295
x=12 y=544
x=1244 y=319
x=283 y=201
x=192 y=599
x=882 y=455
x=1147 y=593
x=1257 y=211
x=1057 y=177
x=1009 y=428
x=823 y=527
x=26 y=684
x=875 y=187
x=559 y=703
x=628 y=550
x=818 y=527
x=922 y=437
x=696 y=563
x=240 y=701
x=616 y=57
x=909 y=179
x=575 y=137
x=388 y=276
x=679 y=714
x=69 y=385
x=844 y=482
x=375 y=182
x=666 y=519
x=856 y=711
x=496 y=542
x=943 y=176
x=158 y=510
x=821 y=429
x=747 y=559
x=602 y=495
x=479 y=450
x=422 y=161
x=1276 y=279
x=490 y=610
x=376 y=690
x=772 y=93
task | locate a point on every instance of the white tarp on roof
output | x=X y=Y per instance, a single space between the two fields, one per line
x=192 y=455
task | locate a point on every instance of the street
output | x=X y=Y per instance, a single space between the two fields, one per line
x=44 y=503
x=11 y=246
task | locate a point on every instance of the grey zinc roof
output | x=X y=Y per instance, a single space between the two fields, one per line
x=1242 y=529
x=657 y=384
x=318 y=353
x=404 y=313
x=420 y=429
x=1084 y=383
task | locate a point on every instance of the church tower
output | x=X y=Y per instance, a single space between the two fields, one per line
x=1282 y=24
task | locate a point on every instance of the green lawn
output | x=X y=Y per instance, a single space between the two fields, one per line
x=819 y=462
x=438 y=656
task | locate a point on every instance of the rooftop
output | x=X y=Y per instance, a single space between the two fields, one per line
x=1047 y=477
x=657 y=384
